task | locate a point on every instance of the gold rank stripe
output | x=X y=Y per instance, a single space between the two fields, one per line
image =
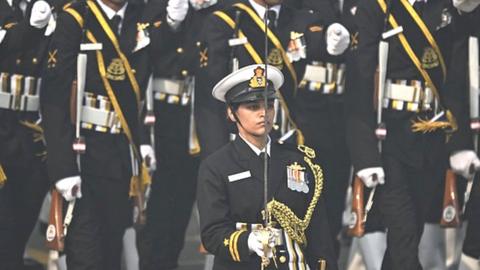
x=113 y=39
x=408 y=49
x=427 y=34
x=258 y=60
x=233 y=245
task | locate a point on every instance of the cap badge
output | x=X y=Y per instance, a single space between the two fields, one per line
x=258 y=80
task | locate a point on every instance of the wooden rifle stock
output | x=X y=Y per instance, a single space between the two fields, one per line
x=357 y=227
x=55 y=240
x=451 y=209
x=73 y=102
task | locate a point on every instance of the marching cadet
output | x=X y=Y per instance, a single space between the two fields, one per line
x=231 y=222
x=105 y=42
x=235 y=38
x=470 y=258
x=321 y=114
x=176 y=144
x=23 y=176
x=415 y=116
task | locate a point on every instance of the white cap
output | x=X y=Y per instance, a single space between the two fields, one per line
x=248 y=79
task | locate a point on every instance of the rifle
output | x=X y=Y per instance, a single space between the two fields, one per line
x=235 y=41
x=381 y=130
x=451 y=207
x=474 y=91
x=139 y=211
x=140 y=192
x=357 y=226
x=55 y=238
x=150 y=118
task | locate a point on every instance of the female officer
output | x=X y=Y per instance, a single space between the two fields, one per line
x=231 y=187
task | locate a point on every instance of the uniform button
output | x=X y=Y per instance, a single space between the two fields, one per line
x=184 y=73
x=199 y=43
x=19 y=61
x=282 y=259
x=134 y=71
x=180 y=50
x=34 y=61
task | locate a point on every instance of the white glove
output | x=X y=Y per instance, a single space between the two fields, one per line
x=176 y=12
x=201 y=4
x=41 y=12
x=70 y=188
x=338 y=39
x=466 y=5
x=373 y=176
x=462 y=161
x=255 y=245
x=148 y=155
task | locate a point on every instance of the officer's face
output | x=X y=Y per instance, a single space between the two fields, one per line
x=252 y=118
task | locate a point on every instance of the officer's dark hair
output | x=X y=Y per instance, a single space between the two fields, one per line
x=234 y=108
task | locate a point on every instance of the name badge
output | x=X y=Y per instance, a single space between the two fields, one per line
x=237 y=41
x=239 y=176
x=91 y=46
x=392 y=32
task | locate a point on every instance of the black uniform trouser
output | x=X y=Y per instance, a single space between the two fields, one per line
x=20 y=202
x=173 y=191
x=100 y=217
x=212 y=127
x=322 y=122
x=402 y=201
x=471 y=246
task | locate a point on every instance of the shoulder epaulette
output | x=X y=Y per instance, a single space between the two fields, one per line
x=305 y=150
x=309 y=152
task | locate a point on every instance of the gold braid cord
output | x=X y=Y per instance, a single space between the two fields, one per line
x=38 y=136
x=426 y=126
x=293 y=225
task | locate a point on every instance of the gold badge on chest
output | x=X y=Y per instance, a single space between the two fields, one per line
x=275 y=58
x=430 y=58
x=116 y=70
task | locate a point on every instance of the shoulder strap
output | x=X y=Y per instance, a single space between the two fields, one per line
x=248 y=46
x=106 y=27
